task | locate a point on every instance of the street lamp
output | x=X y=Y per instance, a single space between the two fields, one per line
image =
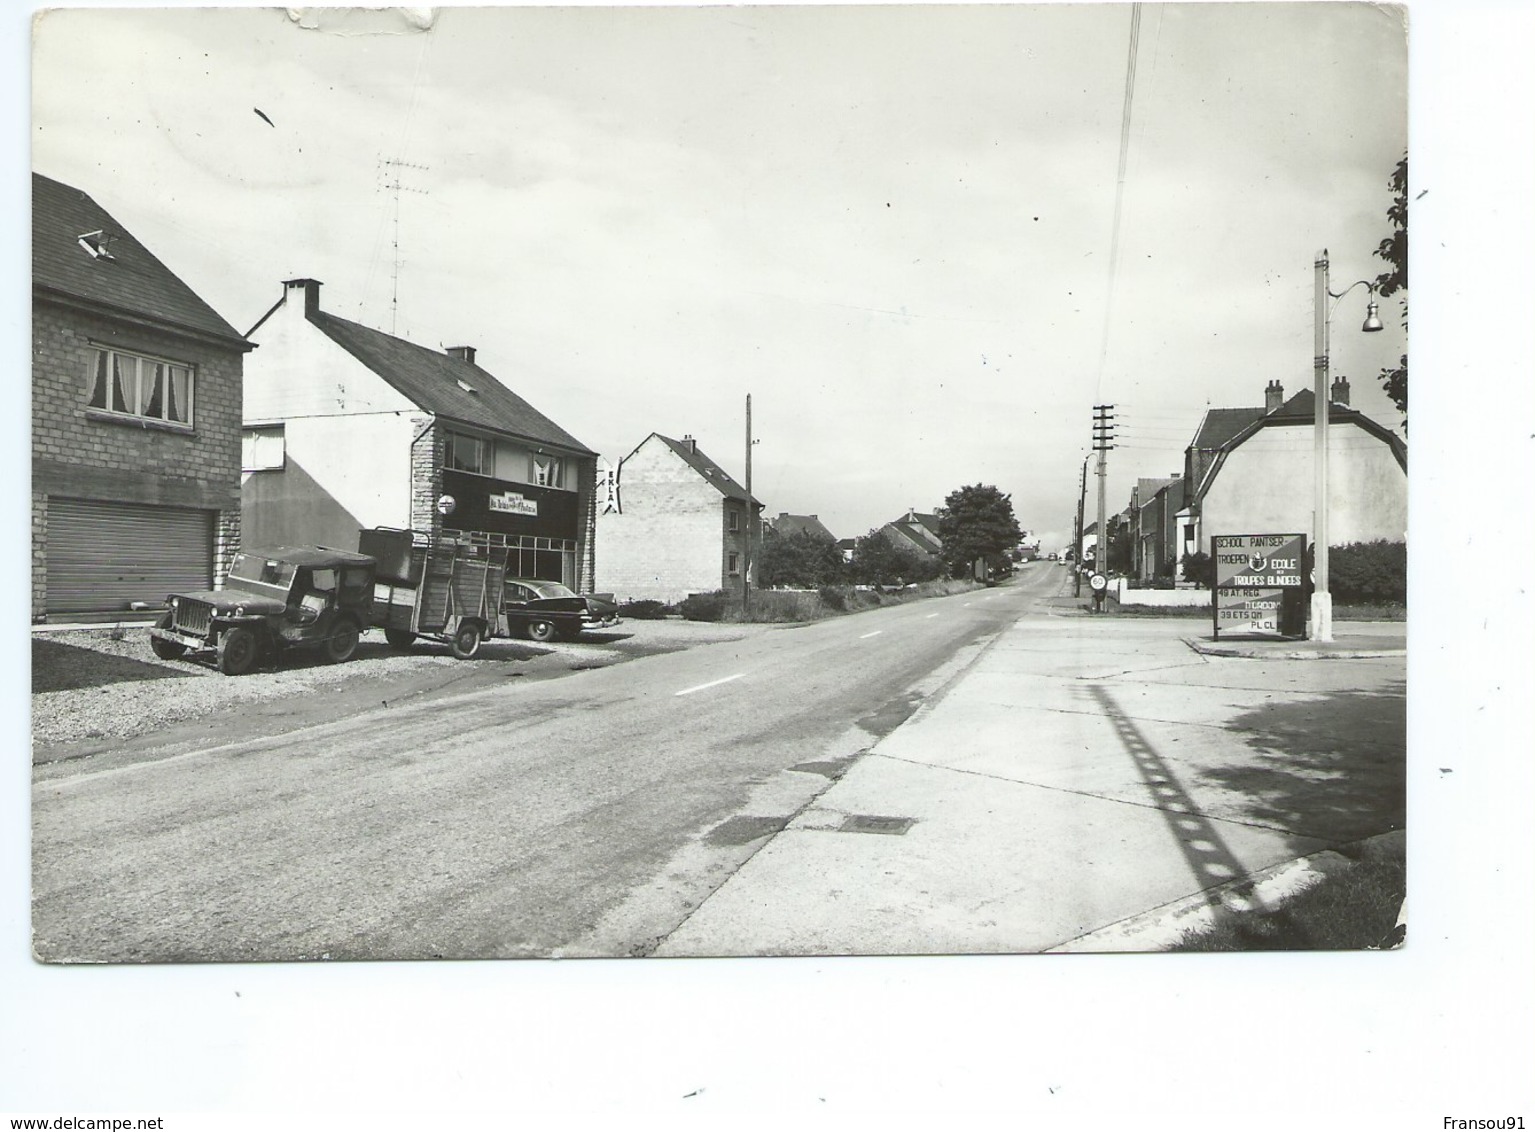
x=1321 y=597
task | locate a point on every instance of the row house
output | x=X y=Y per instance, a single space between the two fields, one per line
x=136 y=393
x=346 y=427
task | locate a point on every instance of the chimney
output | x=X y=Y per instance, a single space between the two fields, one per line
x=1340 y=391
x=311 y=289
x=1273 y=396
x=689 y=443
x=462 y=353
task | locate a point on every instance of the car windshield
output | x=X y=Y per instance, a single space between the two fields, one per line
x=255 y=568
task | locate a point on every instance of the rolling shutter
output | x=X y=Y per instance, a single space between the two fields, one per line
x=104 y=556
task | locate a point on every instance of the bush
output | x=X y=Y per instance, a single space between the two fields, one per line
x=1368 y=572
x=644 y=609
x=833 y=598
x=1199 y=568
x=703 y=607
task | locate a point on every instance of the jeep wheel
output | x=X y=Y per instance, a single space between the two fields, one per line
x=399 y=638
x=466 y=641
x=238 y=649
x=166 y=650
x=342 y=644
x=541 y=631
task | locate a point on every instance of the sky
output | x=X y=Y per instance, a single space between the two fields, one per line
x=892 y=227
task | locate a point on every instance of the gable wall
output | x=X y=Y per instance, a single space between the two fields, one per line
x=668 y=541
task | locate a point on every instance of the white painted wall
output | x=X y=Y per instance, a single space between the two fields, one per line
x=1266 y=486
x=668 y=540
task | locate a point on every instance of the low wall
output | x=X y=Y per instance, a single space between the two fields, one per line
x=1166 y=599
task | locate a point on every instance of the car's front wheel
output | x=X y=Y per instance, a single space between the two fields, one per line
x=341 y=645
x=238 y=650
x=541 y=631
x=466 y=641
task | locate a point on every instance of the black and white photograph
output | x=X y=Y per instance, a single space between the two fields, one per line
x=789 y=484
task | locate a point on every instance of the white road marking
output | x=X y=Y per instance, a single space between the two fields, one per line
x=866 y=636
x=932 y=615
x=710 y=684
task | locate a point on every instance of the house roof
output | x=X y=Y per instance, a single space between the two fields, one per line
x=126 y=282
x=787 y=524
x=707 y=468
x=1220 y=425
x=911 y=535
x=1301 y=410
x=436 y=382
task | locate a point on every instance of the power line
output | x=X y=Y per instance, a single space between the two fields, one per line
x=1119 y=189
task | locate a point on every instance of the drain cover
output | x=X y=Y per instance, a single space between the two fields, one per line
x=873 y=823
x=741 y=830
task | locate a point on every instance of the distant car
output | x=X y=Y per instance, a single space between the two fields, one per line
x=273 y=600
x=544 y=610
x=1053 y=556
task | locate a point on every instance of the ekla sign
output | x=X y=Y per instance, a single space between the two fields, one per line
x=1259 y=584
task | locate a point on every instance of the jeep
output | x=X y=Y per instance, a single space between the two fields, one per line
x=273 y=600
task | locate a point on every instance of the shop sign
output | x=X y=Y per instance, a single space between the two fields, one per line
x=514 y=503
x=1259 y=583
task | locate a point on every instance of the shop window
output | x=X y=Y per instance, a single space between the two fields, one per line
x=145 y=388
x=263 y=449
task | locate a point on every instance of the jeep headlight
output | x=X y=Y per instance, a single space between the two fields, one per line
x=239 y=611
x=175 y=603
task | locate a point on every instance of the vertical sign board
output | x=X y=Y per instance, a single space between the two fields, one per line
x=1257 y=578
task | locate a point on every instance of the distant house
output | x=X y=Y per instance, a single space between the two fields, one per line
x=1154 y=504
x=787 y=524
x=135 y=419
x=917 y=533
x=678 y=525
x=348 y=427
x=847 y=547
x=1260 y=479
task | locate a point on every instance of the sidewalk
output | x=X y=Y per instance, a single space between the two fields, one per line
x=1082 y=773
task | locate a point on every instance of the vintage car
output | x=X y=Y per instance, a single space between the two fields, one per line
x=545 y=610
x=287 y=597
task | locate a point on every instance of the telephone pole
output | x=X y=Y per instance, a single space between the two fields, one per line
x=1103 y=440
x=1076 y=552
x=751 y=517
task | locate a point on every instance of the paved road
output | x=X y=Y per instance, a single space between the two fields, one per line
x=587 y=815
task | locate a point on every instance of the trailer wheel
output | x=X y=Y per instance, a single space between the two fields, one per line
x=541 y=631
x=466 y=640
x=399 y=638
x=166 y=650
x=342 y=644
x=238 y=650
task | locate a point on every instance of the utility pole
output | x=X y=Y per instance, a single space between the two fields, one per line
x=751 y=517
x=391 y=168
x=1103 y=437
x=1076 y=554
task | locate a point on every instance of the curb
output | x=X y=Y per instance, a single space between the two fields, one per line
x=1161 y=928
x=1314 y=652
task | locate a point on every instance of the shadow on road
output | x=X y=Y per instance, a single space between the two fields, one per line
x=1332 y=765
x=1209 y=859
x=57 y=667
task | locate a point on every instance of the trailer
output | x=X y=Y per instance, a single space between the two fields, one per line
x=444 y=589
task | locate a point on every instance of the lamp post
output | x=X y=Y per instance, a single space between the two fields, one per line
x=1321 y=596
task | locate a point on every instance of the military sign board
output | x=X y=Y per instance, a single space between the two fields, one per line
x=1259 y=582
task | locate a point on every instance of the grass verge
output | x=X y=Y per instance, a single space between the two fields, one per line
x=1350 y=909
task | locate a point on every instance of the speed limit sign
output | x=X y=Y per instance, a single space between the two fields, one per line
x=1098 y=582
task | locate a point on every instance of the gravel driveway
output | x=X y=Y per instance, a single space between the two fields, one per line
x=94 y=684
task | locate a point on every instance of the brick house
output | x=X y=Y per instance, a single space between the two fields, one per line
x=916 y=532
x=677 y=525
x=135 y=420
x=348 y=427
x=1154 y=504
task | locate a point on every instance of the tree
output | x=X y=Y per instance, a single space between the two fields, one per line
x=974 y=522
x=1393 y=250
x=879 y=562
x=800 y=559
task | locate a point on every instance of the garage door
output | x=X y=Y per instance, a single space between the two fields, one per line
x=104 y=556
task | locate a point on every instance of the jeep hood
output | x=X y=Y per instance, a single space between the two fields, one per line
x=226 y=601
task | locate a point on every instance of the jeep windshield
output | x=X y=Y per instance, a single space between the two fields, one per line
x=262 y=571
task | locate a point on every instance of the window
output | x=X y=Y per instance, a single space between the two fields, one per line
x=132 y=385
x=732 y=521
x=734 y=563
x=546 y=470
x=263 y=449
x=469 y=454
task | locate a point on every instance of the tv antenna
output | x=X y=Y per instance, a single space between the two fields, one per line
x=392 y=174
